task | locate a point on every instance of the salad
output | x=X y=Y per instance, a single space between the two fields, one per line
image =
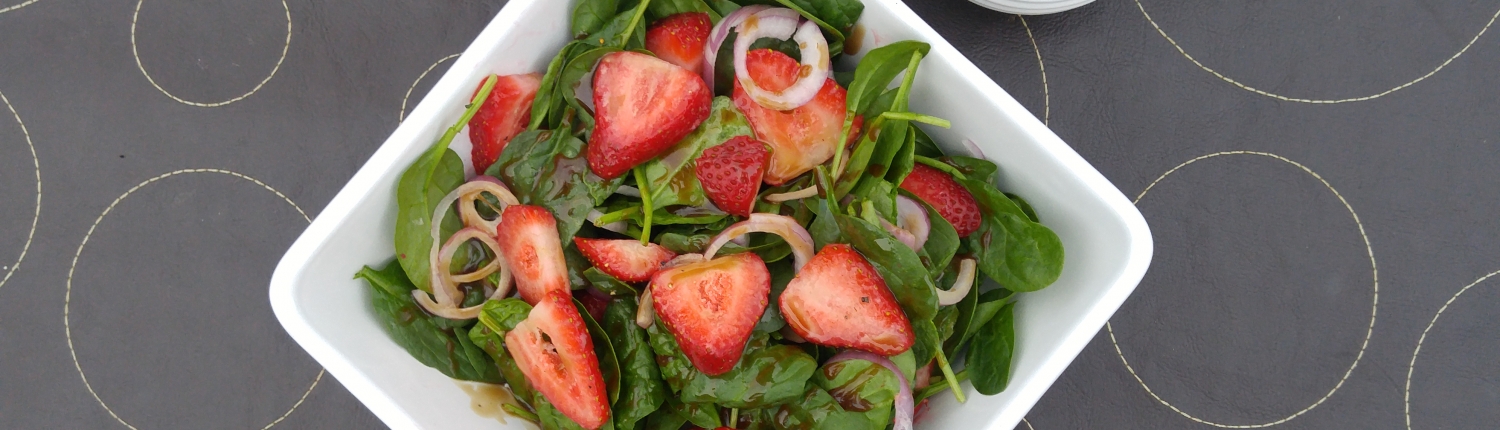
x=728 y=233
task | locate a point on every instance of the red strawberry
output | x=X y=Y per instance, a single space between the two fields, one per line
x=502 y=116
x=553 y=349
x=839 y=300
x=731 y=173
x=951 y=200
x=680 y=38
x=800 y=138
x=644 y=106
x=712 y=306
x=533 y=252
x=625 y=259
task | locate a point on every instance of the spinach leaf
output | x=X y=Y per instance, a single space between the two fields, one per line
x=642 y=390
x=497 y=318
x=722 y=7
x=946 y=320
x=675 y=368
x=548 y=169
x=905 y=158
x=897 y=264
x=781 y=275
x=577 y=265
x=545 y=104
x=446 y=349
x=927 y=341
x=674 y=414
x=816 y=409
x=839 y=15
x=580 y=62
x=989 y=357
x=824 y=229
x=553 y=419
x=925 y=146
x=1020 y=254
x=1025 y=207
x=672 y=177
x=604 y=350
x=942 y=239
x=766 y=374
x=432 y=176
x=978 y=169
x=973 y=312
x=906 y=364
x=608 y=284
x=664 y=8
x=684 y=244
x=625 y=31
x=876 y=70
x=590 y=15
x=861 y=386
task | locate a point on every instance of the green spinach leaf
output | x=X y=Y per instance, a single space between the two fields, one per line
x=664 y=8
x=497 y=318
x=604 y=350
x=432 y=176
x=816 y=409
x=897 y=264
x=642 y=390
x=672 y=177
x=927 y=343
x=861 y=386
x=876 y=71
x=990 y=355
x=1020 y=254
x=448 y=350
x=553 y=419
x=675 y=414
x=766 y=374
x=942 y=240
x=548 y=169
x=591 y=15
x=608 y=284
x=1025 y=207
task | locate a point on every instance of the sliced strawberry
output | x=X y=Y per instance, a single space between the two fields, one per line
x=680 y=38
x=800 y=138
x=503 y=115
x=839 y=300
x=625 y=259
x=533 y=252
x=712 y=307
x=592 y=302
x=644 y=106
x=951 y=200
x=553 y=349
x=731 y=173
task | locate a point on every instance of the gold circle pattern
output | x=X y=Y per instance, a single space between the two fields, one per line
x=1046 y=93
x=1314 y=101
x=1406 y=399
x=402 y=116
x=18 y=6
x=136 y=53
x=1374 y=304
x=67 y=297
x=37 y=214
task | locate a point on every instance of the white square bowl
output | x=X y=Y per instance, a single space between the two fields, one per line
x=1107 y=242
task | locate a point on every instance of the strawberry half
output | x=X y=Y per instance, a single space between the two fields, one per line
x=731 y=173
x=553 y=349
x=712 y=307
x=839 y=300
x=502 y=116
x=680 y=38
x=644 y=106
x=800 y=138
x=533 y=252
x=951 y=200
x=625 y=259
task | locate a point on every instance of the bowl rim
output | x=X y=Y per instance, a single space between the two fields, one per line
x=284 y=281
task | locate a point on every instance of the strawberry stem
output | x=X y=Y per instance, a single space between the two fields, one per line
x=938 y=387
x=474 y=104
x=948 y=374
x=518 y=412
x=640 y=179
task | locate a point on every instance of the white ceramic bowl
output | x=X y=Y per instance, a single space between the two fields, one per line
x=1107 y=242
x=1032 y=7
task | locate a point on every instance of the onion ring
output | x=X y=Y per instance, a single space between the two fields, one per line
x=721 y=32
x=912 y=226
x=811 y=190
x=781 y=225
x=471 y=192
x=449 y=312
x=780 y=23
x=903 y=417
x=645 y=313
x=961 y=284
x=445 y=256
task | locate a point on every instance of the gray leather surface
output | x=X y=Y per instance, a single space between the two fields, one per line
x=1330 y=228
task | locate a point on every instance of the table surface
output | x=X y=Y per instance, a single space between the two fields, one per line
x=1321 y=177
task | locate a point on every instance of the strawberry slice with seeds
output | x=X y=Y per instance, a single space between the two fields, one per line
x=533 y=252
x=951 y=199
x=553 y=350
x=644 y=106
x=839 y=300
x=625 y=259
x=503 y=115
x=800 y=138
x=712 y=307
x=731 y=173
x=680 y=38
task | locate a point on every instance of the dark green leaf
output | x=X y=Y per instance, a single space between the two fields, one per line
x=877 y=69
x=543 y=105
x=925 y=146
x=577 y=264
x=1025 y=207
x=942 y=240
x=449 y=350
x=1013 y=250
x=839 y=15
x=766 y=374
x=898 y=265
x=723 y=7
x=604 y=350
x=904 y=160
x=861 y=386
x=927 y=343
x=608 y=284
x=434 y=174
x=642 y=390
x=977 y=169
x=946 y=319
x=672 y=176
x=497 y=318
x=664 y=8
x=675 y=414
x=683 y=244
x=553 y=419
x=548 y=169
x=988 y=360
x=781 y=275
x=824 y=228
x=619 y=33
x=816 y=409
x=590 y=15
x=973 y=312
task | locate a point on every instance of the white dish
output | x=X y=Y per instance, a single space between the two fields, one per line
x=1107 y=241
x=1032 y=7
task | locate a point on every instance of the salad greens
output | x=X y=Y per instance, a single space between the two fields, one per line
x=954 y=281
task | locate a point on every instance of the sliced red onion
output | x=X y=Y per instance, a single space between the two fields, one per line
x=443 y=291
x=924 y=376
x=721 y=32
x=791 y=335
x=780 y=23
x=904 y=236
x=449 y=311
x=912 y=226
x=445 y=294
x=626 y=190
x=473 y=191
x=645 y=313
x=445 y=255
x=903 y=416
x=961 y=284
x=973 y=148
x=811 y=190
x=617 y=226
x=683 y=259
x=780 y=225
